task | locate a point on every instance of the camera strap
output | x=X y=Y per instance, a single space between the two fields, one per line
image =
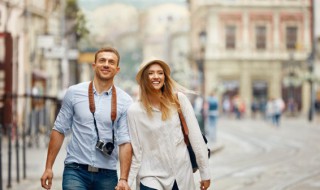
x=92 y=107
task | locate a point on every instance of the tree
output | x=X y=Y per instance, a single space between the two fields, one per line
x=76 y=21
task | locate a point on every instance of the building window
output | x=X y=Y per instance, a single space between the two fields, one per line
x=261 y=37
x=291 y=37
x=230 y=37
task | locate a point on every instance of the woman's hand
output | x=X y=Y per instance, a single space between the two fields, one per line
x=204 y=184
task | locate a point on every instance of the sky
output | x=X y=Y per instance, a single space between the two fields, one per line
x=93 y=4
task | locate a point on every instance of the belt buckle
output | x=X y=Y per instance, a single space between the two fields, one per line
x=93 y=169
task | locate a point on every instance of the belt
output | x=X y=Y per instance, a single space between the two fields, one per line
x=90 y=168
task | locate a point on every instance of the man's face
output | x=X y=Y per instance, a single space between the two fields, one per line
x=106 y=66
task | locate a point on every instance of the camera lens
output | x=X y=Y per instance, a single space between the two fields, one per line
x=108 y=148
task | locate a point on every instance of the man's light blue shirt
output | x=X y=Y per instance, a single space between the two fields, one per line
x=75 y=115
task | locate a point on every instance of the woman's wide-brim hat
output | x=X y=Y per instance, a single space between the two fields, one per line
x=151 y=61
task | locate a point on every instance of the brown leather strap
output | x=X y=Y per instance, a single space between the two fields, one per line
x=113 y=104
x=183 y=122
x=92 y=106
x=113 y=101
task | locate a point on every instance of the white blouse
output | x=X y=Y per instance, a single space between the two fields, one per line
x=160 y=155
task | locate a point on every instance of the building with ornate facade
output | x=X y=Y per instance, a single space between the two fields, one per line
x=256 y=49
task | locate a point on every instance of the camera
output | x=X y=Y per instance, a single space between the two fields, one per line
x=105 y=148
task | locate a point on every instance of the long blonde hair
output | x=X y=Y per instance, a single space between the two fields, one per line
x=167 y=98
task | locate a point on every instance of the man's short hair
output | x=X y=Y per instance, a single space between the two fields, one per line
x=107 y=49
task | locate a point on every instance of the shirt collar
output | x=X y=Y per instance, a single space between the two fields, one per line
x=108 y=92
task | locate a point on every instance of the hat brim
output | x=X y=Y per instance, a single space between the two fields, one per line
x=144 y=65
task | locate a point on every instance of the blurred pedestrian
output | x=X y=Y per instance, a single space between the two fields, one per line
x=199 y=110
x=254 y=108
x=213 y=106
x=95 y=113
x=226 y=105
x=292 y=106
x=238 y=106
x=160 y=157
x=275 y=108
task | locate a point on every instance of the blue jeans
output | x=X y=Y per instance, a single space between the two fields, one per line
x=276 y=119
x=212 y=128
x=77 y=177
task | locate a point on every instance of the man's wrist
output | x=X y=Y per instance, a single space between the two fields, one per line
x=123 y=179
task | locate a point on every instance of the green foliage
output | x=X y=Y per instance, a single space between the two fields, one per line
x=75 y=16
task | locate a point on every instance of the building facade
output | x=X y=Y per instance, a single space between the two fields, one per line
x=254 y=49
x=29 y=23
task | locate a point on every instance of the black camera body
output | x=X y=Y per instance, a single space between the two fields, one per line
x=105 y=148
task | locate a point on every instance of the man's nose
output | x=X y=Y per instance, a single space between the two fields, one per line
x=106 y=63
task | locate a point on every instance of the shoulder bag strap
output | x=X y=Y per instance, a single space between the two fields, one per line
x=183 y=122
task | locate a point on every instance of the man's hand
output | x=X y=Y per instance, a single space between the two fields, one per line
x=122 y=185
x=204 y=184
x=46 y=179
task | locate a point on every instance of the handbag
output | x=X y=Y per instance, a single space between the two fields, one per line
x=185 y=132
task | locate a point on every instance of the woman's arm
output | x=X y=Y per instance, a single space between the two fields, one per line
x=135 y=143
x=195 y=137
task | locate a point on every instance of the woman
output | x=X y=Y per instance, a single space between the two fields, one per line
x=160 y=156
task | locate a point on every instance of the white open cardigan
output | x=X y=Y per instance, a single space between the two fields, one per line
x=160 y=155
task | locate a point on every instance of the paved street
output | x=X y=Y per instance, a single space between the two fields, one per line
x=255 y=156
x=258 y=156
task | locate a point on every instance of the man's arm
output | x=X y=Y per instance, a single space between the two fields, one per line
x=56 y=140
x=125 y=157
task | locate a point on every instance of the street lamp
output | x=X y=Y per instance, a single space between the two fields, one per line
x=311 y=59
x=200 y=63
x=310 y=80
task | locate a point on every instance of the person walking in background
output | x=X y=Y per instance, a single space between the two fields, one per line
x=199 y=110
x=254 y=108
x=160 y=157
x=269 y=111
x=277 y=108
x=213 y=105
x=274 y=110
x=226 y=106
x=95 y=113
x=238 y=106
x=292 y=106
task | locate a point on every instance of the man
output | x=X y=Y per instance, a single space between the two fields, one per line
x=213 y=115
x=88 y=112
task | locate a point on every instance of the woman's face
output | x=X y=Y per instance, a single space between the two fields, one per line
x=156 y=76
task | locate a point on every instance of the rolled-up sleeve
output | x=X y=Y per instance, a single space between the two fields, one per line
x=63 y=122
x=122 y=129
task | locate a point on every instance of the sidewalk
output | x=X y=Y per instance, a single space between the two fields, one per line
x=35 y=164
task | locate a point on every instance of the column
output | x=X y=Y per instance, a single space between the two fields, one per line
x=276 y=31
x=245 y=85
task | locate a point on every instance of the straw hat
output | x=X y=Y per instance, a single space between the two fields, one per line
x=145 y=64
